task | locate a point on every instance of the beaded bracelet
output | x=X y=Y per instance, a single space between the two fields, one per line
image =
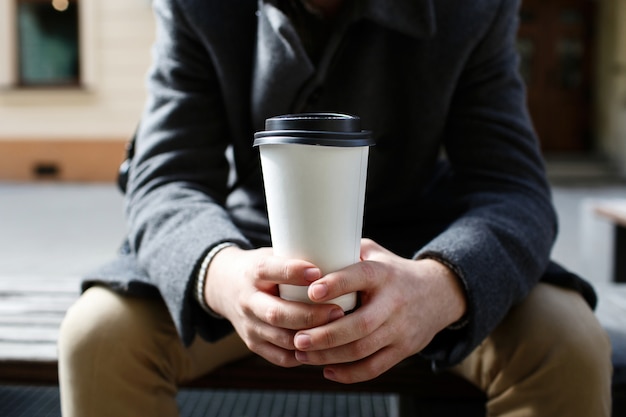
x=201 y=278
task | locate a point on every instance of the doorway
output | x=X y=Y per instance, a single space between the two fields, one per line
x=554 y=41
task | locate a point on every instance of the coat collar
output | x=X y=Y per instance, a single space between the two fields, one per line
x=282 y=67
x=412 y=17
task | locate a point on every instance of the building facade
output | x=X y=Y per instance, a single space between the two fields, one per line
x=70 y=122
x=72 y=81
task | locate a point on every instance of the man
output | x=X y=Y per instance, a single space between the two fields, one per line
x=458 y=214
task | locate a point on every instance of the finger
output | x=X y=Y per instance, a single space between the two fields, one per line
x=358 y=325
x=361 y=276
x=363 y=370
x=276 y=355
x=370 y=249
x=259 y=333
x=292 y=315
x=350 y=352
x=277 y=270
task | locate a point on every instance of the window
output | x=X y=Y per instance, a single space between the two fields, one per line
x=47 y=43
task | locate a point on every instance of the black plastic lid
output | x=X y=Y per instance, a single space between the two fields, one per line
x=325 y=129
x=329 y=122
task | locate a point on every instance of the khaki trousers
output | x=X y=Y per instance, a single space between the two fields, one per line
x=121 y=356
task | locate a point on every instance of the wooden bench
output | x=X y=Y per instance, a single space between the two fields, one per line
x=615 y=212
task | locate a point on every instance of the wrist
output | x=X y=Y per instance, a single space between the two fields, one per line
x=201 y=278
x=453 y=286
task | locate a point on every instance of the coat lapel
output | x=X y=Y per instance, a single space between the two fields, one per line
x=282 y=70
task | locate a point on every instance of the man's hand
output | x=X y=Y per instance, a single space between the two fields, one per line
x=242 y=286
x=404 y=304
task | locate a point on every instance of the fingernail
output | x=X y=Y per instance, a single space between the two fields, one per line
x=302 y=356
x=302 y=341
x=312 y=274
x=335 y=314
x=318 y=291
x=329 y=374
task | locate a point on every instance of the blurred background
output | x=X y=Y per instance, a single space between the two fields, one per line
x=72 y=87
x=72 y=77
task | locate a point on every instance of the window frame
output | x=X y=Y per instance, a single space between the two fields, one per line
x=20 y=82
x=9 y=49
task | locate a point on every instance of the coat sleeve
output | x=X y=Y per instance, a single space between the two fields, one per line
x=500 y=244
x=179 y=174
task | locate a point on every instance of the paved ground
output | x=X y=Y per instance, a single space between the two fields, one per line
x=49 y=229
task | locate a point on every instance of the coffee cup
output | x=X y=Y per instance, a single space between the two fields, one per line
x=314 y=171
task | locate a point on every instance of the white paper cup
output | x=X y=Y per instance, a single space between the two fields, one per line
x=314 y=172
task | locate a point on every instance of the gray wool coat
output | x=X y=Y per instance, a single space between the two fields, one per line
x=456 y=173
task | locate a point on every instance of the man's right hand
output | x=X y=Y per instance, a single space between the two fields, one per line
x=242 y=286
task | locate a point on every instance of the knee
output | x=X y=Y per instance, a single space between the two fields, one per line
x=549 y=354
x=102 y=321
x=581 y=350
x=79 y=333
x=559 y=338
x=575 y=341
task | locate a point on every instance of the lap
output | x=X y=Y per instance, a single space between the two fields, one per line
x=104 y=317
x=548 y=316
x=548 y=348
